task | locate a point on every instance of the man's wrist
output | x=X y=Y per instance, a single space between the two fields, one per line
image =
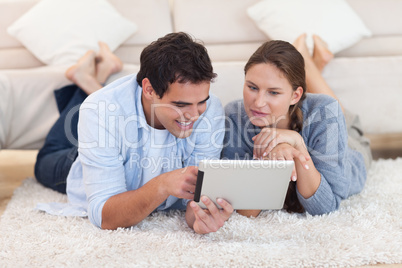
x=161 y=185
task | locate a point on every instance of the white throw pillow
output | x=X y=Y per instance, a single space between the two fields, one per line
x=333 y=20
x=59 y=32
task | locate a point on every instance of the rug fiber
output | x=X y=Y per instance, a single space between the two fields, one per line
x=367 y=229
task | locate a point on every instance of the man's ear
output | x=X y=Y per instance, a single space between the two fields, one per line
x=296 y=95
x=147 y=89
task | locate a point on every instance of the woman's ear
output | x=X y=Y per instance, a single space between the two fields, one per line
x=147 y=89
x=297 y=94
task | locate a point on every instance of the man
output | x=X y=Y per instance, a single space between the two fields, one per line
x=141 y=137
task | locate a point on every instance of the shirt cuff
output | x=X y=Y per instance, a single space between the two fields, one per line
x=322 y=201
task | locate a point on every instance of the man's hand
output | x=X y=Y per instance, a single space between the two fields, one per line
x=181 y=182
x=131 y=207
x=208 y=220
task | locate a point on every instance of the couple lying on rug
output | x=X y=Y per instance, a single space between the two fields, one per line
x=138 y=141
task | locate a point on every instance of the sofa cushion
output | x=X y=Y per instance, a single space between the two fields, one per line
x=31 y=107
x=371 y=88
x=153 y=18
x=334 y=21
x=27 y=105
x=216 y=22
x=231 y=52
x=228 y=85
x=5 y=110
x=382 y=17
x=10 y=11
x=59 y=32
x=377 y=46
x=18 y=58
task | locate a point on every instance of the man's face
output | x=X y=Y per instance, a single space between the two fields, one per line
x=179 y=107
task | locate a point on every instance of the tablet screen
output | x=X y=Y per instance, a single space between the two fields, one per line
x=245 y=184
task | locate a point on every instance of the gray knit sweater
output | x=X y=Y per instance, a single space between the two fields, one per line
x=342 y=169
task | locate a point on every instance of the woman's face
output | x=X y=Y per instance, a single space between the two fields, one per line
x=268 y=95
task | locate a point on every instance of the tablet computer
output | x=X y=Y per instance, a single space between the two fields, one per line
x=245 y=184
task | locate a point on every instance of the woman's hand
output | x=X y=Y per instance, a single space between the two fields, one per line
x=269 y=138
x=284 y=151
x=210 y=219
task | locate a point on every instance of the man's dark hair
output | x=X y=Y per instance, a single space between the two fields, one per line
x=176 y=57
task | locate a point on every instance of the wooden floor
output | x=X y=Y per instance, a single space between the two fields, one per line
x=17 y=165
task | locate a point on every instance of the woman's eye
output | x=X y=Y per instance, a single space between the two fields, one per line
x=273 y=93
x=252 y=88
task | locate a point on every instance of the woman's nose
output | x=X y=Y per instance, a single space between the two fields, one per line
x=260 y=101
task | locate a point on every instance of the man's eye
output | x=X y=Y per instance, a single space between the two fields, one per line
x=274 y=93
x=252 y=88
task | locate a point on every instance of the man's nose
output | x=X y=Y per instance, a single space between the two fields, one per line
x=192 y=114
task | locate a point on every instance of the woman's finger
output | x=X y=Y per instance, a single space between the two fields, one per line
x=294 y=174
x=302 y=159
x=262 y=141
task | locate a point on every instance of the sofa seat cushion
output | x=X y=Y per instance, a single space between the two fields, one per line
x=27 y=105
x=376 y=46
x=370 y=87
x=18 y=58
x=31 y=108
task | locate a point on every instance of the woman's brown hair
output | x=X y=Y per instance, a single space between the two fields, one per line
x=290 y=62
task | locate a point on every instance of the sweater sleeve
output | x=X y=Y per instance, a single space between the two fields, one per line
x=325 y=135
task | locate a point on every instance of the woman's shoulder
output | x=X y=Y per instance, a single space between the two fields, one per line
x=235 y=107
x=317 y=101
x=320 y=103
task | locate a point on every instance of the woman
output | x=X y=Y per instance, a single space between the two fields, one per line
x=278 y=120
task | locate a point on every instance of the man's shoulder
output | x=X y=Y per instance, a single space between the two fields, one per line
x=118 y=96
x=214 y=106
x=115 y=90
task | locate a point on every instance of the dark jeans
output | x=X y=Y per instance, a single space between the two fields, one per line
x=60 y=150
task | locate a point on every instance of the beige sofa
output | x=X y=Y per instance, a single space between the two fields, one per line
x=367 y=77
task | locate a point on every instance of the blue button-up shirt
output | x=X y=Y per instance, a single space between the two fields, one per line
x=113 y=134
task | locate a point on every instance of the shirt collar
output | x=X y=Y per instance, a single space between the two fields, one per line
x=142 y=120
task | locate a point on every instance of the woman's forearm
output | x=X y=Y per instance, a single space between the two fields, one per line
x=249 y=212
x=308 y=180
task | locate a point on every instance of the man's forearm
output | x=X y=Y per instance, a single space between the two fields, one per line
x=131 y=207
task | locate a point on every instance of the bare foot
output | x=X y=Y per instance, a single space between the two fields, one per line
x=314 y=80
x=83 y=73
x=107 y=63
x=301 y=46
x=321 y=53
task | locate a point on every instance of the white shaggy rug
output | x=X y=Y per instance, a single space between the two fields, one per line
x=367 y=229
